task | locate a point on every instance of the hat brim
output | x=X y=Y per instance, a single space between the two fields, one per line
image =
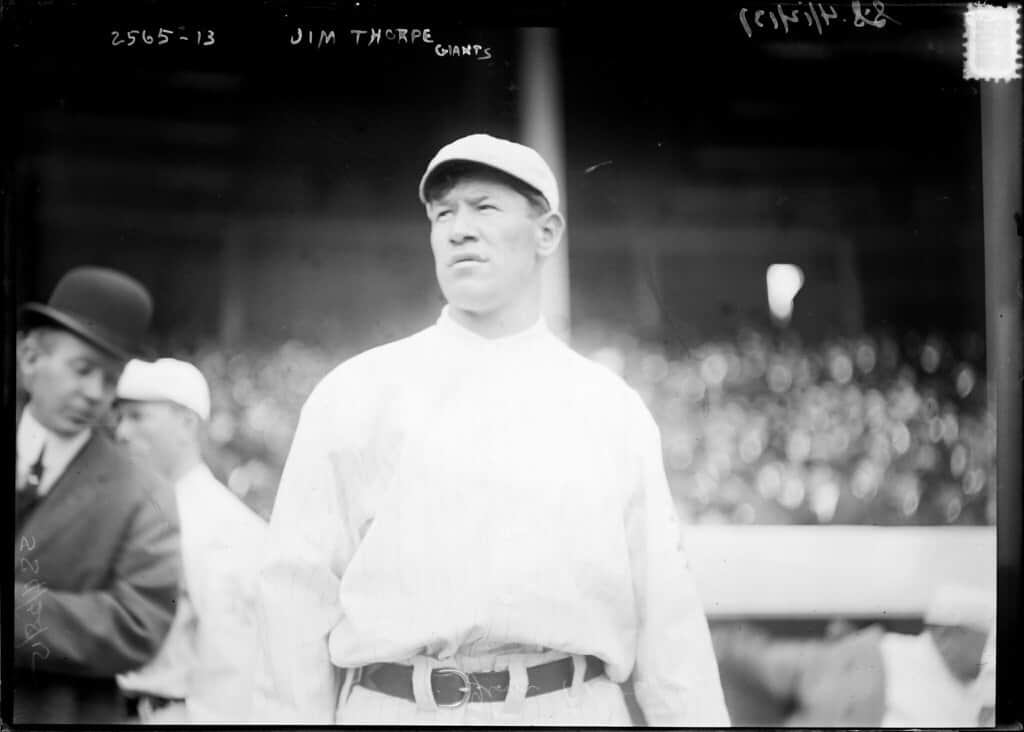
x=36 y=314
x=446 y=166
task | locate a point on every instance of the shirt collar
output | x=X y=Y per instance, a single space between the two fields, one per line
x=60 y=450
x=530 y=336
x=31 y=436
x=196 y=475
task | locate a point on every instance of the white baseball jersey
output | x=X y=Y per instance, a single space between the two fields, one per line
x=453 y=495
x=208 y=656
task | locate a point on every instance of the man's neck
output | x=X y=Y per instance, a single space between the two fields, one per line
x=499 y=323
x=183 y=467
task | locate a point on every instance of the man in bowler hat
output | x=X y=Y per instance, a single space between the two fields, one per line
x=96 y=535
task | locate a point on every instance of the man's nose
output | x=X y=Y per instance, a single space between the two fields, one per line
x=462 y=227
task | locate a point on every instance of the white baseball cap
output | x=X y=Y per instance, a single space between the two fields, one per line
x=166 y=379
x=517 y=160
x=964 y=605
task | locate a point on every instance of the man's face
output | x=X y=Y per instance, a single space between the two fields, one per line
x=155 y=431
x=487 y=243
x=961 y=648
x=71 y=382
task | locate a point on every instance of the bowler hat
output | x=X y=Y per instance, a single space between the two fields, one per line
x=103 y=306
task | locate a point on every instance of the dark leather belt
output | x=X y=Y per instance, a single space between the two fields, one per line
x=131 y=703
x=453 y=687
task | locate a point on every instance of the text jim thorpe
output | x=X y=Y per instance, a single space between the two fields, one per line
x=321 y=37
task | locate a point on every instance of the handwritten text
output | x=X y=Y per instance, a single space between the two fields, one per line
x=816 y=16
x=473 y=50
x=162 y=37
x=31 y=599
x=380 y=37
x=397 y=35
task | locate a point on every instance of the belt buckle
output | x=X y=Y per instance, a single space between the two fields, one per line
x=467 y=686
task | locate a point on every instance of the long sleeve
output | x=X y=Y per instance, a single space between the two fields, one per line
x=117 y=629
x=297 y=590
x=676 y=675
x=223 y=592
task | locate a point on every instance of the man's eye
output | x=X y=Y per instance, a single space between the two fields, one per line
x=441 y=215
x=487 y=207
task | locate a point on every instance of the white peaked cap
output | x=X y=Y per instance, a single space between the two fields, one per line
x=166 y=380
x=964 y=605
x=517 y=160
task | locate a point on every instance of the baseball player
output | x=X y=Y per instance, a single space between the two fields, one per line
x=203 y=670
x=474 y=524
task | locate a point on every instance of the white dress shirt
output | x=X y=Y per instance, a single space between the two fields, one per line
x=60 y=451
x=452 y=495
x=207 y=657
x=920 y=690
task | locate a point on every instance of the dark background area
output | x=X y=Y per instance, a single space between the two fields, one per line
x=218 y=174
x=266 y=194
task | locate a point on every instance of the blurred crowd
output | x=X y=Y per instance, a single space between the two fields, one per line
x=759 y=428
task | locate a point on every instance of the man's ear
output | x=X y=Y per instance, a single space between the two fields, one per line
x=191 y=421
x=550 y=227
x=28 y=353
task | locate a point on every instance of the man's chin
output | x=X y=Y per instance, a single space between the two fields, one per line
x=71 y=426
x=471 y=303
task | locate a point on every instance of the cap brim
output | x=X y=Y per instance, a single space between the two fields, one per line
x=36 y=314
x=449 y=163
x=444 y=165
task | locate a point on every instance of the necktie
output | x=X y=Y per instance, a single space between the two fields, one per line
x=27 y=496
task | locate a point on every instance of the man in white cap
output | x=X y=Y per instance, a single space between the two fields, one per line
x=474 y=525
x=203 y=671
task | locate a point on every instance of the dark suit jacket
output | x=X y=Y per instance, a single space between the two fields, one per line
x=96 y=570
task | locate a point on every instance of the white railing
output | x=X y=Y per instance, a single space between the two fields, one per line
x=829 y=571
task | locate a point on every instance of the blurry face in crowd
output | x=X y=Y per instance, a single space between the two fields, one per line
x=71 y=382
x=160 y=433
x=488 y=242
x=960 y=648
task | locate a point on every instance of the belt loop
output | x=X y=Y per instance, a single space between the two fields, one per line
x=517 y=687
x=422 y=666
x=352 y=677
x=579 y=670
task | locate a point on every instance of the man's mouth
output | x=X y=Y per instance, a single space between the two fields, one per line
x=80 y=417
x=464 y=258
x=81 y=413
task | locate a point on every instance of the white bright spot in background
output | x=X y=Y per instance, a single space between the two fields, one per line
x=611 y=358
x=784 y=282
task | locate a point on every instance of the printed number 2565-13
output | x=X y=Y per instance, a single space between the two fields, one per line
x=161 y=38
